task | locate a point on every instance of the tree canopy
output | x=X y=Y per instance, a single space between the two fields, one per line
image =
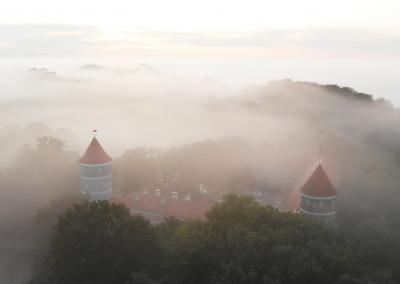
x=99 y=242
x=241 y=241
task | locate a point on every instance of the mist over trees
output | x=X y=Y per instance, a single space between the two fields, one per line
x=37 y=174
x=262 y=140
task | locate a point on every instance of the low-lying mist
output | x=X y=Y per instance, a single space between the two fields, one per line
x=284 y=123
x=263 y=138
x=139 y=106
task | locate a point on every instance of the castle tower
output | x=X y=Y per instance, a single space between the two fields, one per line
x=96 y=175
x=318 y=197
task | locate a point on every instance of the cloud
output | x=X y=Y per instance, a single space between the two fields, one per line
x=141 y=68
x=45 y=40
x=50 y=40
x=43 y=74
x=324 y=41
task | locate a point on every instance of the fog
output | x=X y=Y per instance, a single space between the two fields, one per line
x=262 y=137
x=143 y=106
x=139 y=106
x=144 y=100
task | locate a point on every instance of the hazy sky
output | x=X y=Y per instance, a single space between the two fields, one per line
x=212 y=29
x=206 y=15
x=330 y=41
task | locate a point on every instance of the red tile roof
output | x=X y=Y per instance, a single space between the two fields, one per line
x=183 y=209
x=167 y=207
x=318 y=184
x=95 y=154
x=146 y=202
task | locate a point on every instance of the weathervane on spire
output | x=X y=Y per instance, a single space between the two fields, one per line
x=320 y=135
x=94 y=131
x=319 y=155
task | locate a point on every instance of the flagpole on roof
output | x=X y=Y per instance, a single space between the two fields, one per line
x=319 y=155
x=320 y=136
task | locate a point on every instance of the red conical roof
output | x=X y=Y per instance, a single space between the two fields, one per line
x=95 y=154
x=318 y=184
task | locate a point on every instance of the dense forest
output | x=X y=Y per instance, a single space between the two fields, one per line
x=241 y=241
x=272 y=136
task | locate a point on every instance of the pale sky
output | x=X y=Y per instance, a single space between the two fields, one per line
x=252 y=29
x=206 y=15
x=350 y=42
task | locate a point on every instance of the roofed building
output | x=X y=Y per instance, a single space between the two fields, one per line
x=96 y=172
x=156 y=208
x=318 y=197
x=315 y=198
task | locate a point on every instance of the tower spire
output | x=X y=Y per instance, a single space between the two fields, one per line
x=320 y=140
x=94 y=131
x=319 y=155
x=318 y=197
x=96 y=172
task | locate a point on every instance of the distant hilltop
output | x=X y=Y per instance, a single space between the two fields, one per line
x=43 y=73
x=342 y=91
x=140 y=68
x=300 y=94
x=90 y=67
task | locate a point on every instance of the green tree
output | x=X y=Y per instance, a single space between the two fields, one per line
x=44 y=222
x=99 y=242
x=243 y=241
x=240 y=242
